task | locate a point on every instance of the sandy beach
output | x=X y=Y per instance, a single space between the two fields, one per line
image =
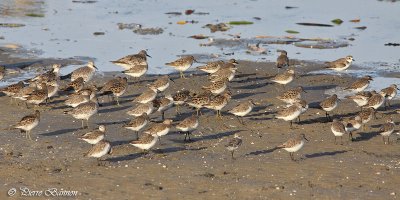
x=203 y=169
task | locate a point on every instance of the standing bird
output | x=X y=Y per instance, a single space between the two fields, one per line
x=242 y=110
x=160 y=129
x=284 y=78
x=116 y=88
x=38 y=96
x=198 y=101
x=290 y=113
x=145 y=142
x=366 y=116
x=187 y=125
x=84 y=111
x=146 y=96
x=163 y=104
x=99 y=150
x=129 y=61
x=86 y=72
x=180 y=98
x=211 y=67
x=28 y=122
x=386 y=130
x=282 y=60
x=293 y=144
x=147 y=108
x=390 y=93
x=361 y=98
x=182 y=64
x=291 y=96
x=136 y=71
x=75 y=85
x=50 y=75
x=338 y=129
x=360 y=85
x=340 y=64
x=13 y=89
x=234 y=144
x=138 y=123
x=94 y=136
x=352 y=125
x=217 y=87
x=376 y=101
x=2 y=72
x=329 y=104
x=161 y=84
x=228 y=70
x=219 y=102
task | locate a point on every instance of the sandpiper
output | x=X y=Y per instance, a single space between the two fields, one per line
x=86 y=72
x=75 y=85
x=290 y=113
x=211 y=67
x=234 y=144
x=180 y=98
x=53 y=74
x=219 y=102
x=38 y=96
x=28 y=122
x=361 y=98
x=386 y=130
x=161 y=84
x=340 y=64
x=227 y=71
x=282 y=60
x=293 y=144
x=84 y=111
x=99 y=150
x=352 y=125
x=187 y=125
x=11 y=90
x=376 y=101
x=366 y=115
x=75 y=99
x=145 y=142
x=52 y=89
x=292 y=95
x=182 y=64
x=146 y=96
x=360 y=85
x=304 y=106
x=94 y=136
x=23 y=93
x=338 y=129
x=199 y=100
x=159 y=129
x=217 y=87
x=147 y=108
x=329 y=104
x=284 y=78
x=390 y=93
x=138 y=123
x=242 y=110
x=130 y=61
x=136 y=71
x=163 y=104
x=2 y=72
x=117 y=88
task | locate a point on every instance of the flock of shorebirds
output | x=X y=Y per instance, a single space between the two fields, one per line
x=215 y=96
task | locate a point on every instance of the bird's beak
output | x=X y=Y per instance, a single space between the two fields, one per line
x=148 y=55
x=172 y=80
x=235 y=62
x=354 y=60
x=306 y=139
x=95 y=67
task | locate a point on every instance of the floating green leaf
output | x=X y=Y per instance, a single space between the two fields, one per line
x=292 y=32
x=240 y=22
x=34 y=15
x=337 y=21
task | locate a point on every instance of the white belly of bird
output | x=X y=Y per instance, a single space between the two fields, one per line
x=391 y=96
x=376 y=106
x=136 y=73
x=30 y=126
x=86 y=115
x=290 y=117
x=137 y=114
x=330 y=108
x=230 y=148
x=243 y=113
x=387 y=133
x=183 y=67
x=342 y=68
x=295 y=148
x=120 y=93
x=353 y=128
x=303 y=110
x=284 y=82
x=138 y=128
x=54 y=92
x=163 y=108
x=124 y=65
x=163 y=132
x=219 y=90
x=361 y=102
x=36 y=102
x=146 y=146
x=217 y=107
x=337 y=133
x=162 y=88
x=231 y=76
x=211 y=71
x=190 y=128
x=94 y=141
x=150 y=98
x=361 y=88
x=101 y=153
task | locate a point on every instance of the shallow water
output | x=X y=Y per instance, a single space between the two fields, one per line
x=67 y=28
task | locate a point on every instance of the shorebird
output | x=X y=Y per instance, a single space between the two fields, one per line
x=138 y=123
x=293 y=144
x=11 y=90
x=375 y=101
x=146 y=142
x=361 y=98
x=234 y=144
x=2 y=72
x=242 y=110
x=211 y=67
x=360 y=85
x=352 y=125
x=180 y=98
x=130 y=61
x=340 y=64
x=161 y=84
x=94 y=136
x=282 y=60
x=182 y=64
x=284 y=78
x=23 y=93
x=386 y=130
x=116 y=87
x=159 y=129
x=83 y=96
x=304 y=107
x=329 y=104
x=38 y=96
x=217 y=87
x=84 y=111
x=52 y=89
x=50 y=75
x=187 y=125
x=27 y=123
x=198 y=101
x=366 y=116
x=228 y=70
x=163 y=104
x=86 y=72
x=338 y=129
x=99 y=150
x=147 y=108
x=290 y=113
x=390 y=93
x=75 y=85
x=291 y=96
x=136 y=71
x=146 y=96
x=219 y=102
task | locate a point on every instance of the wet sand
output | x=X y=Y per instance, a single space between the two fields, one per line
x=203 y=169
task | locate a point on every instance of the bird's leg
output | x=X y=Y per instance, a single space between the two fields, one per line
x=351 y=136
x=291 y=124
x=335 y=140
x=291 y=156
x=388 y=139
x=137 y=135
x=162 y=115
x=341 y=139
x=177 y=109
x=197 y=111
x=87 y=123
x=383 y=139
x=232 y=152
x=117 y=100
x=185 y=136
x=188 y=134
x=389 y=104
x=237 y=117
x=83 y=127
x=242 y=120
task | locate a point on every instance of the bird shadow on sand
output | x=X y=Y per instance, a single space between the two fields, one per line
x=266 y=151
x=320 y=87
x=119 y=142
x=218 y=135
x=62 y=131
x=245 y=95
x=169 y=150
x=363 y=136
x=114 y=109
x=132 y=96
x=112 y=123
x=328 y=153
x=125 y=157
x=252 y=86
